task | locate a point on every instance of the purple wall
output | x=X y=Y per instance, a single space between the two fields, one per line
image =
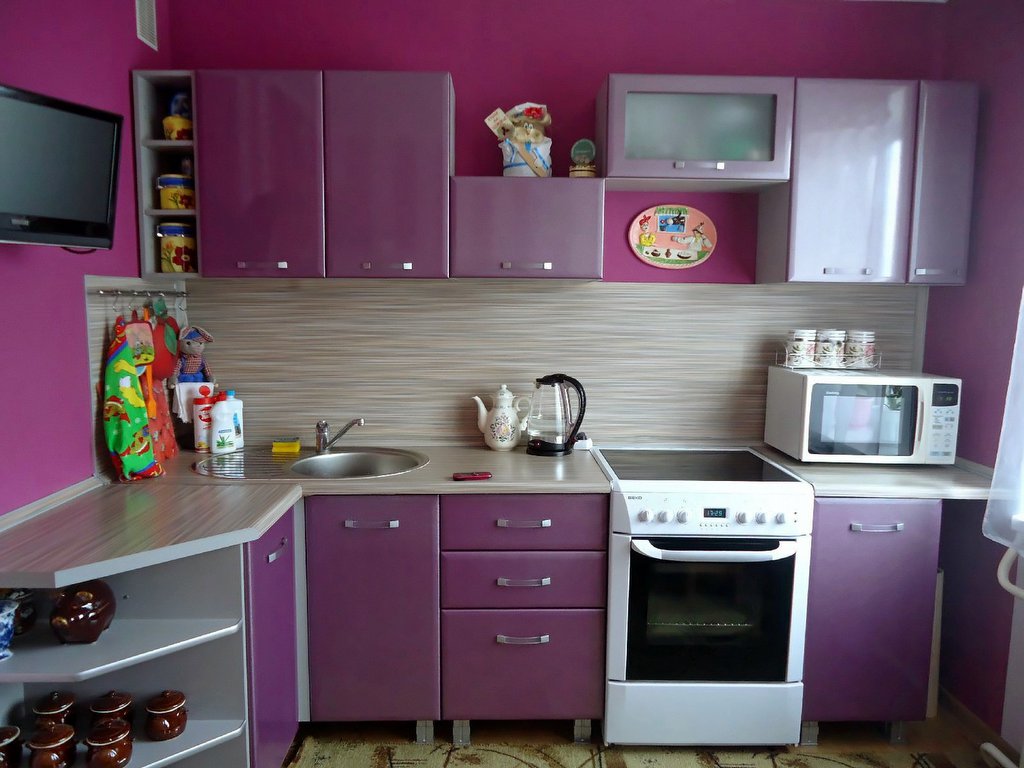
x=79 y=52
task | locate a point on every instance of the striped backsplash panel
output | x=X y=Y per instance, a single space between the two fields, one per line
x=660 y=363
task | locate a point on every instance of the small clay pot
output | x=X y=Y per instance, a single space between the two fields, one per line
x=109 y=744
x=113 y=705
x=83 y=611
x=10 y=746
x=166 y=715
x=25 y=615
x=52 y=746
x=54 y=709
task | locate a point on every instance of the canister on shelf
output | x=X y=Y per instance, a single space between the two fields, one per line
x=800 y=348
x=830 y=348
x=860 y=349
x=202 y=419
x=177 y=191
x=177 y=247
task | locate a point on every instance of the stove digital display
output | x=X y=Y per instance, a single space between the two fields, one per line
x=716 y=512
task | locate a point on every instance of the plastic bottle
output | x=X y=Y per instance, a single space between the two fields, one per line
x=222 y=428
x=201 y=420
x=236 y=419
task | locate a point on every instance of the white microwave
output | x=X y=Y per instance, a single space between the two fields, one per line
x=874 y=417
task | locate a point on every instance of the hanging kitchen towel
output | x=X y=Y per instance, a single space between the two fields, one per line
x=125 y=420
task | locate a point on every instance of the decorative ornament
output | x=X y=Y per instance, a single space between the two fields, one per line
x=672 y=236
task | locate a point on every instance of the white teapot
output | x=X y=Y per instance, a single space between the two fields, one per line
x=502 y=425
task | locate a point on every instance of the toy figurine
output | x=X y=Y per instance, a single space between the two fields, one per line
x=191 y=363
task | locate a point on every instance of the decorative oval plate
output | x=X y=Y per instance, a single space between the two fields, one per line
x=672 y=236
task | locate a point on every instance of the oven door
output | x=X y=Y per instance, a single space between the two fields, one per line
x=689 y=609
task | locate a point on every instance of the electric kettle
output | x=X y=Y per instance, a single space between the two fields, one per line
x=551 y=429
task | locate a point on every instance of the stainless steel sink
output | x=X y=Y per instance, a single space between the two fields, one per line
x=359 y=462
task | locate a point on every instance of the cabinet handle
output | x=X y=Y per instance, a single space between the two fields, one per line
x=406 y=265
x=717 y=165
x=922 y=271
x=262 y=264
x=544 y=581
x=277 y=552
x=528 y=265
x=839 y=271
x=883 y=528
x=535 y=640
x=371 y=523
x=503 y=523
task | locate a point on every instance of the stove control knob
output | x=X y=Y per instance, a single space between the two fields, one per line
x=741 y=517
x=643 y=515
x=760 y=518
x=780 y=518
x=681 y=516
x=663 y=516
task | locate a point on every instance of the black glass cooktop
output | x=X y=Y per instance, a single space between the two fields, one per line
x=690 y=465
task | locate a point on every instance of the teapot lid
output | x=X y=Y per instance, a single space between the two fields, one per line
x=503 y=395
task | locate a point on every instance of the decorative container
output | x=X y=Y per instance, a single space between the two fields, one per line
x=8 y=611
x=52 y=746
x=54 y=709
x=177 y=128
x=166 y=715
x=177 y=191
x=83 y=612
x=10 y=746
x=177 y=247
x=109 y=744
x=113 y=705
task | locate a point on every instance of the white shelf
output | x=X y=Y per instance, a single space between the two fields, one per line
x=39 y=657
x=199 y=735
x=170 y=213
x=169 y=145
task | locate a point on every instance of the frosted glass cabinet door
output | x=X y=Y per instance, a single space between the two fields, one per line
x=260 y=144
x=388 y=160
x=690 y=127
x=853 y=161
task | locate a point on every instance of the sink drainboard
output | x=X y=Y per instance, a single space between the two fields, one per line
x=247 y=465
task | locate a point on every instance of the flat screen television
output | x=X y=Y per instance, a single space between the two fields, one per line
x=58 y=171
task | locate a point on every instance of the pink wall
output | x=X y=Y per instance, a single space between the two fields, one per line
x=80 y=52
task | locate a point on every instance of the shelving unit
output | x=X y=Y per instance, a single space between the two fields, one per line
x=154 y=156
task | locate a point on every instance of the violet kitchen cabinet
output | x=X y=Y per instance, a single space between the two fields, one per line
x=373 y=609
x=526 y=227
x=716 y=132
x=260 y=144
x=870 y=610
x=388 y=159
x=523 y=596
x=271 y=641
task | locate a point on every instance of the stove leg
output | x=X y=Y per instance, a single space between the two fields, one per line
x=897 y=731
x=424 y=731
x=809 y=733
x=460 y=732
x=581 y=731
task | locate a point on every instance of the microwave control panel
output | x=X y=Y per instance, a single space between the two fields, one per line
x=944 y=418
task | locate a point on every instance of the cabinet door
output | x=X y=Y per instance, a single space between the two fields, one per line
x=259 y=143
x=870 y=609
x=852 y=180
x=947 y=129
x=372 y=585
x=273 y=676
x=686 y=127
x=388 y=161
x=520 y=227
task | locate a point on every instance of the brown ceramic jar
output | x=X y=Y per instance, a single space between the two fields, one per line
x=52 y=746
x=10 y=746
x=166 y=715
x=83 y=611
x=109 y=744
x=110 y=706
x=54 y=708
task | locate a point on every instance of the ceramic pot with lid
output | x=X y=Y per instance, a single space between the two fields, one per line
x=166 y=715
x=10 y=746
x=54 y=708
x=83 y=611
x=52 y=746
x=109 y=744
x=111 y=706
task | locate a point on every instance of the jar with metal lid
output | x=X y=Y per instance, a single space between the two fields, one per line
x=800 y=347
x=109 y=744
x=177 y=246
x=53 y=746
x=830 y=348
x=54 y=708
x=860 y=349
x=166 y=715
x=177 y=191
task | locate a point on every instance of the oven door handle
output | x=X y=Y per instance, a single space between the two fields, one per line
x=645 y=548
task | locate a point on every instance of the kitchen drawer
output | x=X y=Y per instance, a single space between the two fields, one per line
x=523 y=579
x=525 y=521
x=554 y=671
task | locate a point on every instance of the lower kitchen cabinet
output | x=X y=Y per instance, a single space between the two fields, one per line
x=373 y=607
x=870 y=609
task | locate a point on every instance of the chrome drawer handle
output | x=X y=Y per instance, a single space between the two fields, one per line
x=503 y=523
x=535 y=640
x=277 y=552
x=544 y=581
x=838 y=271
x=869 y=528
x=406 y=265
x=262 y=264
x=921 y=271
x=371 y=524
x=717 y=165
x=528 y=265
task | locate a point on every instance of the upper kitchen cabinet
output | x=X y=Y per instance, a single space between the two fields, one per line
x=388 y=157
x=881 y=187
x=523 y=227
x=260 y=143
x=694 y=132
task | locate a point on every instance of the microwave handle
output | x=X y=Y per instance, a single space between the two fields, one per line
x=645 y=548
x=920 y=420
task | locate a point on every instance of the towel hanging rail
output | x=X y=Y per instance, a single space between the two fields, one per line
x=121 y=292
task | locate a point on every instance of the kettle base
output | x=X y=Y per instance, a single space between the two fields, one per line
x=544 y=448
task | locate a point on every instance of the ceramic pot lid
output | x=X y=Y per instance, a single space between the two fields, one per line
x=8 y=733
x=51 y=736
x=112 y=701
x=168 y=701
x=109 y=732
x=54 y=703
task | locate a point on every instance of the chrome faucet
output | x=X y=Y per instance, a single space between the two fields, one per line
x=323 y=431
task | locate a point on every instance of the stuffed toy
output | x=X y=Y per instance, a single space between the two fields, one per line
x=191 y=364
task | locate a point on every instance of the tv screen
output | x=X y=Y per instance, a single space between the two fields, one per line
x=58 y=171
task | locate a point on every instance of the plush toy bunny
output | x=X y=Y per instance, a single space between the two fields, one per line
x=191 y=364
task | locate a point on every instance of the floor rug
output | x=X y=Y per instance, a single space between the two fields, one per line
x=321 y=752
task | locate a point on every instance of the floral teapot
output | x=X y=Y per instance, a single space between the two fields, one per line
x=502 y=425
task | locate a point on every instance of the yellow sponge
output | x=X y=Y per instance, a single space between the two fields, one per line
x=286 y=445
